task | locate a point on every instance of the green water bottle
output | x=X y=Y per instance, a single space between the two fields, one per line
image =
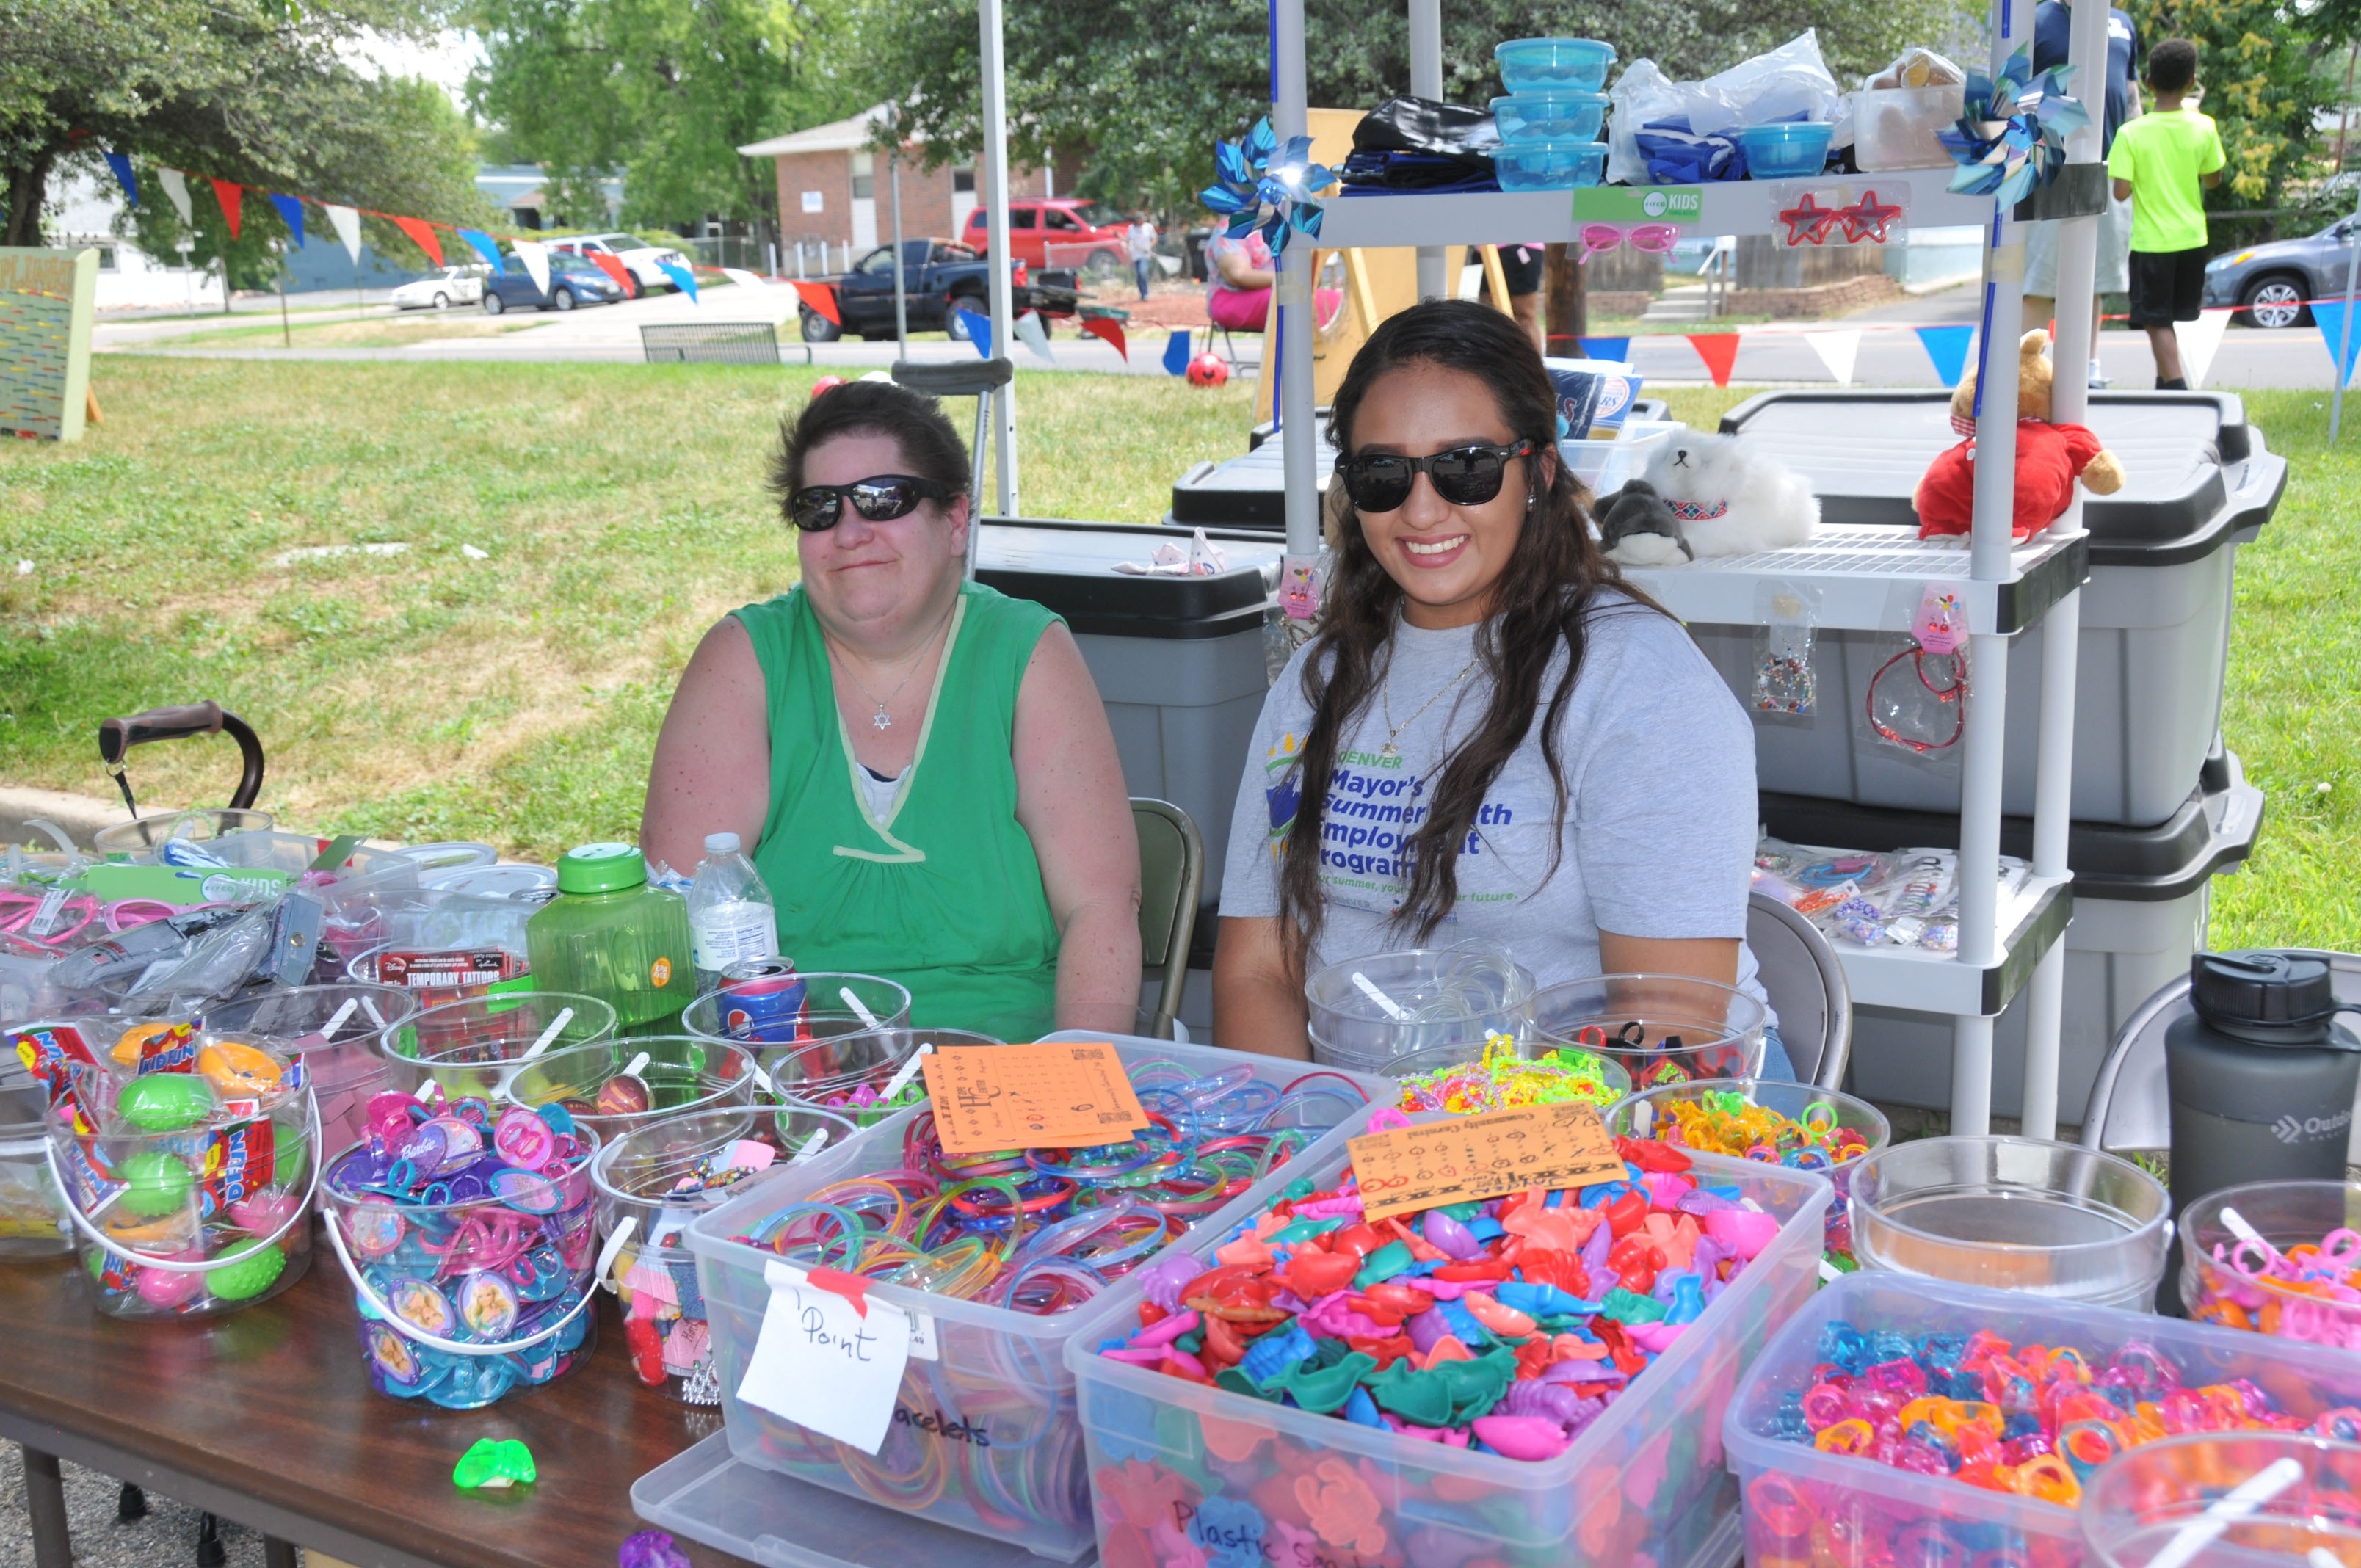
x=609 y=934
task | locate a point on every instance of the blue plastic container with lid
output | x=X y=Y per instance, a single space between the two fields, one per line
x=1550 y=117
x=1554 y=65
x=1790 y=150
x=1549 y=165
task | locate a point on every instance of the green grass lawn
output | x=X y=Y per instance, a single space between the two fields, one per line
x=619 y=508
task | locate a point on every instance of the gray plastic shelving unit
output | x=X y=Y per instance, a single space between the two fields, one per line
x=2156 y=609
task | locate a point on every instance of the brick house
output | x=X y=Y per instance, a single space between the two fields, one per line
x=833 y=187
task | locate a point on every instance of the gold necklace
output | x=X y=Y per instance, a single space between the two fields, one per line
x=1385 y=697
x=882 y=718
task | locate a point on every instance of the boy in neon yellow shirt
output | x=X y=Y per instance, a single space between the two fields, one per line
x=2162 y=163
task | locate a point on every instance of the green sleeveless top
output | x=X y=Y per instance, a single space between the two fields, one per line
x=944 y=893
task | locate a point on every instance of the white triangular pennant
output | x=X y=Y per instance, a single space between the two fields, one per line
x=1837 y=351
x=176 y=186
x=348 y=229
x=2199 y=340
x=1035 y=337
x=535 y=258
x=742 y=278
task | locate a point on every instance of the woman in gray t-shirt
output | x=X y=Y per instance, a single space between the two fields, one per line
x=1492 y=737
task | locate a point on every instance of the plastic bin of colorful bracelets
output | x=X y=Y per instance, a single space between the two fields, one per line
x=2017 y=1213
x=469 y=1233
x=1364 y=1011
x=2298 y=1500
x=1907 y=1420
x=986 y=1438
x=2292 y=1265
x=1493 y=1075
x=1660 y=1028
x=764 y=1002
x=608 y=1086
x=339 y=1032
x=1794 y=1125
x=498 y=1029
x=1394 y=1443
x=188 y=1182
x=867 y=1076
x=652 y=1181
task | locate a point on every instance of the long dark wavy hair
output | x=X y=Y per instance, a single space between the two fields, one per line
x=1539 y=602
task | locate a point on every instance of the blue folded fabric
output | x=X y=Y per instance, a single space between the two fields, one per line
x=1678 y=155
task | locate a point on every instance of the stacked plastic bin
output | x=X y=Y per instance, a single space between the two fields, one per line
x=1553 y=119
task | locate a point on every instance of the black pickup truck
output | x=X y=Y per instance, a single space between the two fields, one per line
x=938 y=279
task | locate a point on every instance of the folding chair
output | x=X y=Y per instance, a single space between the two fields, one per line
x=1806 y=986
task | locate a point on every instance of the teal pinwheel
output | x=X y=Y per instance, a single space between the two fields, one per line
x=2012 y=139
x=1267 y=186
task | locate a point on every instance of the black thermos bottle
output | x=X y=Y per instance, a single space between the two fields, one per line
x=2262 y=1080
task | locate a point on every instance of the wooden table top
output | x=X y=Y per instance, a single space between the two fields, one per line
x=275 y=1400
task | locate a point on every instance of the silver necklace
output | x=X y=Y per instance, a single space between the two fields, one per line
x=1385 y=697
x=882 y=718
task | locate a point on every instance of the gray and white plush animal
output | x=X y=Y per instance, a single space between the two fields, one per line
x=1637 y=529
x=1732 y=497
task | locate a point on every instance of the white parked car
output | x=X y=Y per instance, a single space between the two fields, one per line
x=451 y=286
x=637 y=257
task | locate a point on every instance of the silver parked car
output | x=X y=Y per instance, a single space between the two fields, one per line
x=442 y=289
x=2271 y=283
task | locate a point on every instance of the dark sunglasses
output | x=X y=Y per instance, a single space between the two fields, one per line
x=881 y=497
x=1463 y=476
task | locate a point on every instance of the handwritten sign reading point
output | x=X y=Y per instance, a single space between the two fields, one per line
x=1464 y=1158
x=1052 y=1095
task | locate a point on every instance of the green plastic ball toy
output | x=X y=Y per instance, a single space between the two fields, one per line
x=165 y=1101
x=158 y=1184
x=258 y=1266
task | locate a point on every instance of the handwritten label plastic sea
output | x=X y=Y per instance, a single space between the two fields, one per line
x=1050 y=1095
x=1463 y=1158
x=826 y=1364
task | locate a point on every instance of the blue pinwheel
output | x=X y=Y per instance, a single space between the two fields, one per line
x=1267 y=186
x=2012 y=139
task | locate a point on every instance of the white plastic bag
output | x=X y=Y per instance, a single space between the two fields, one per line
x=1641 y=95
x=1787 y=83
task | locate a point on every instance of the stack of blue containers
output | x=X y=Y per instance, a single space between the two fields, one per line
x=1552 y=121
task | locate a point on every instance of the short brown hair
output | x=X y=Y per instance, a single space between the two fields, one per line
x=931 y=447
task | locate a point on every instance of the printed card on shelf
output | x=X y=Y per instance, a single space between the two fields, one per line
x=827 y=1360
x=1463 y=1157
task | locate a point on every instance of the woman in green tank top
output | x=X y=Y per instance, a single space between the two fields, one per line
x=921 y=763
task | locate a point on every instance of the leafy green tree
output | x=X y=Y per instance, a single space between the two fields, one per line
x=662 y=92
x=254 y=91
x=2256 y=59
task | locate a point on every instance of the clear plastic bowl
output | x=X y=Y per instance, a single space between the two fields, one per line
x=148 y=834
x=1646 y=1115
x=2068 y=1224
x=2287 y=1215
x=1793 y=150
x=1417 y=1064
x=499 y=1028
x=346 y=1067
x=831 y=1073
x=1550 y=117
x=1549 y=65
x=1631 y=1019
x=653 y=1273
x=2138 y=1502
x=771 y=1010
x=33 y=1221
x=1452 y=995
x=681 y=1073
x=1549 y=165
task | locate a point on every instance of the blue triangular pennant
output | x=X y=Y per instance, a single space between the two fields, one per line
x=979 y=331
x=1176 y=353
x=485 y=246
x=1947 y=347
x=121 y=163
x=2329 y=316
x=682 y=277
x=290 y=213
x=1606 y=347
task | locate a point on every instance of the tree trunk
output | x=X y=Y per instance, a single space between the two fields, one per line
x=1567 y=317
x=28 y=187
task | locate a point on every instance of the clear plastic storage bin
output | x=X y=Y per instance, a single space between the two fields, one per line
x=1554 y=65
x=1898 y=128
x=1835 y=1511
x=985 y=1440
x=1433 y=996
x=1549 y=165
x=1550 y=117
x=1643 y=1484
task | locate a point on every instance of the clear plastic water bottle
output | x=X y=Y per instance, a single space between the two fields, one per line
x=730 y=916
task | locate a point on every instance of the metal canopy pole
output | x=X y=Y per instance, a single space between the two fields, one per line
x=995 y=175
x=1289 y=117
x=901 y=298
x=1426 y=81
x=1995 y=494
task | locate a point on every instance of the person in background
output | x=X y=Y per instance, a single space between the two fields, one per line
x=2053 y=25
x=1521 y=265
x=1237 y=296
x=1139 y=242
x=2164 y=162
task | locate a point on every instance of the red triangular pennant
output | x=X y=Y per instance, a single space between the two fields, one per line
x=1719 y=352
x=422 y=235
x=229 y=193
x=821 y=297
x=1100 y=326
x=612 y=265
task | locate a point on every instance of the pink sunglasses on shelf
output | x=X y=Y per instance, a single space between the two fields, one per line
x=1599 y=238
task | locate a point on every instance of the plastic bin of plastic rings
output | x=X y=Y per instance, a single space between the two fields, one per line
x=1643 y=1482
x=1492 y=1075
x=652 y=1181
x=2298 y=1502
x=2302 y=1279
x=468 y=1234
x=1804 y=1447
x=338 y=1032
x=33 y=1221
x=1636 y=1019
x=608 y=1086
x=2015 y=1214
x=190 y=1192
x=764 y=1003
x=1366 y=1012
x=867 y=1076
x=491 y=1029
x=1794 y=1125
x=986 y=1438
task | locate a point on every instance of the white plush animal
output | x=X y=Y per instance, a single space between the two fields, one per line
x=1731 y=498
